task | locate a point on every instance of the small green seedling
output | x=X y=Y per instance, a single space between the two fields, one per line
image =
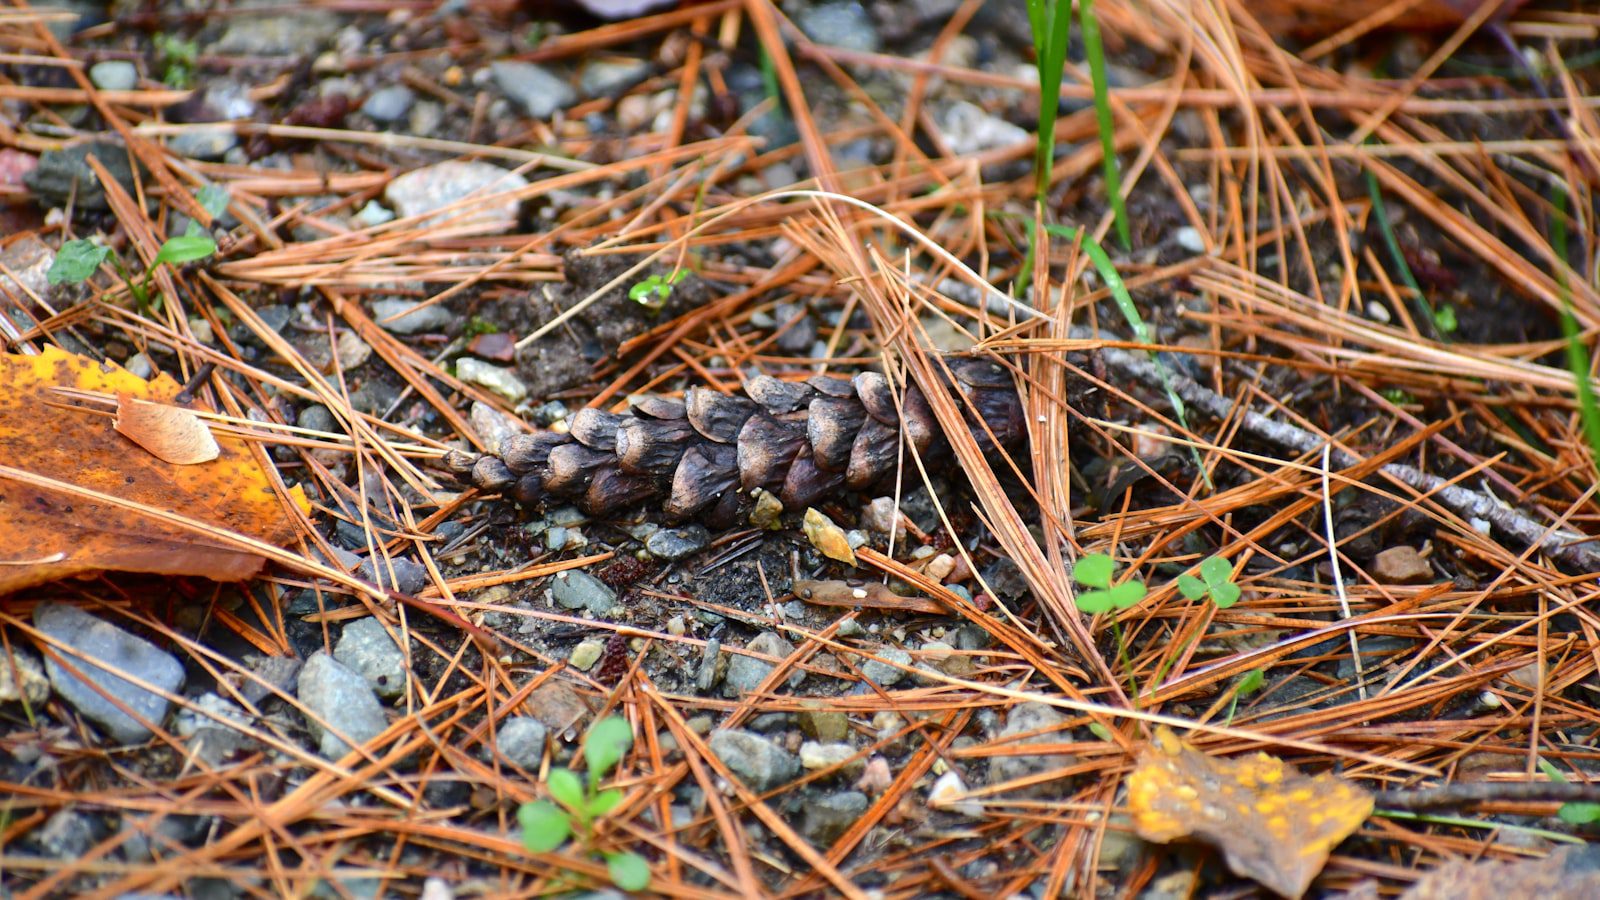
x=654 y=292
x=80 y=259
x=546 y=825
x=178 y=59
x=1576 y=813
x=1095 y=571
x=1249 y=683
x=1216 y=579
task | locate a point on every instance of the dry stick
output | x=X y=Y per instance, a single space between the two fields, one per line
x=1471 y=793
x=1571 y=549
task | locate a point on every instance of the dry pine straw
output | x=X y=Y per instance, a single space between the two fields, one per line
x=1281 y=200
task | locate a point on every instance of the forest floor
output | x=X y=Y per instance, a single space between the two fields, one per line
x=400 y=233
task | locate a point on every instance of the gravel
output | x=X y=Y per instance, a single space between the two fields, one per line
x=338 y=701
x=540 y=92
x=367 y=647
x=107 y=649
x=520 y=741
x=577 y=590
x=757 y=761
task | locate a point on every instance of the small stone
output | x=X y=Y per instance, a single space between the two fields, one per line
x=746 y=673
x=1190 y=239
x=949 y=794
x=367 y=647
x=842 y=23
x=520 y=741
x=877 y=777
x=401 y=573
x=823 y=724
x=339 y=704
x=969 y=130
x=1527 y=678
x=556 y=539
x=492 y=425
x=608 y=77
x=114 y=75
x=66 y=835
x=213 y=727
x=107 y=655
x=207 y=142
x=676 y=543
x=633 y=112
x=500 y=380
x=883 y=674
x=881 y=516
x=422 y=191
x=281 y=33
x=1043 y=723
x=348 y=349
x=768 y=513
x=540 y=92
x=829 y=539
x=22 y=678
x=677 y=627
x=828 y=817
x=408 y=317
x=549 y=413
x=757 y=761
x=1401 y=565
x=579 y=590
x=586 y=654
x=713 y=665
x=373 y=213
x=622 y=9
x=388 y=104
x=940 y=567
x=272 y=672
x=816 y=756
x=14 y=168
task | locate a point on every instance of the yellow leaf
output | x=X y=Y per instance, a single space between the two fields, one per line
x=1271 y=822
x=827 y=537
x=51 y=535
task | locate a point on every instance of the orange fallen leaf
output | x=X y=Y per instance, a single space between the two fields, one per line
x=51 y=535
x=172 y=433
x=1271 y=822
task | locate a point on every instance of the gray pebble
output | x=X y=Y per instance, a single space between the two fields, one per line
x=388 y=104
x=540 y=92
x=66 y=835
x=111 y=650
x=547 y=414
x=497 y=379
x=211 y=725
x=367 y=647
x=745 y=673
x=1033 y=716
x=409 y=575
x=883 y=674
x=520 y=741
x=605 y=77
x=421 y=191
x=579 y=590
x=208 y=142
x=712 y=666
x=828 y=817
x=317 y=418
x=430 y=318
x=280 y=33
x=843 y=23
x=676 y=543
x=338 y=699
x=114 y=75
x=757 y=761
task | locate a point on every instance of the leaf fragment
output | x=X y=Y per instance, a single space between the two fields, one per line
x=171 y=433
x=1271 y=822
x=828 y=538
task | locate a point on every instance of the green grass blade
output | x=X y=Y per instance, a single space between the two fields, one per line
x=1090 y=26
x=1437 y=324
x=1577 y=355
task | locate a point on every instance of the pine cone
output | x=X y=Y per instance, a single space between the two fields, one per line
x=705 y=457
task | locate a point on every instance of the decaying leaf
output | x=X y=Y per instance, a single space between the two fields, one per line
x=1320 y=17
x=1571 y=873
x=51 y=535
x=1271 y=823
x=172 y=433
